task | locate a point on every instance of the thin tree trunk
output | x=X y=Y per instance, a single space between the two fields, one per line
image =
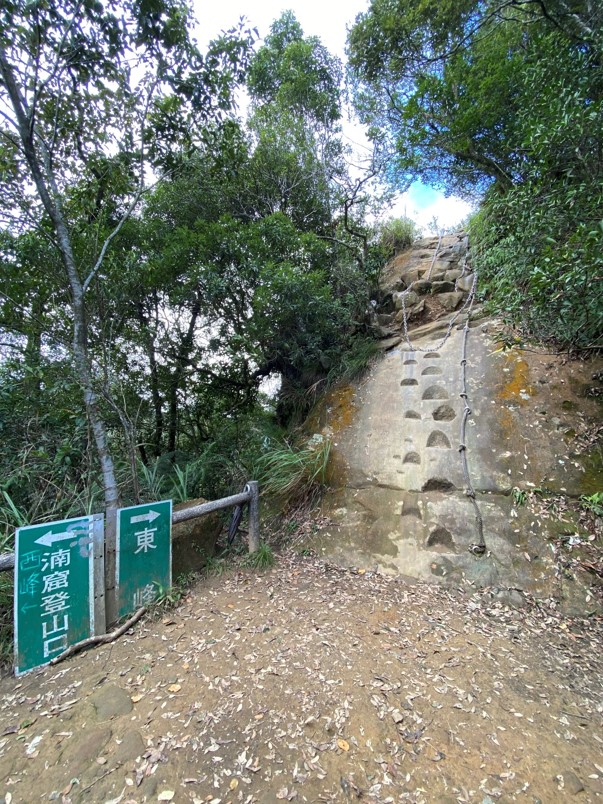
x=149 y=346
x=43 y=178
x=181 y=360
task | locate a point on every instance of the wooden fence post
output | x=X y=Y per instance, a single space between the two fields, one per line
x=254 y=515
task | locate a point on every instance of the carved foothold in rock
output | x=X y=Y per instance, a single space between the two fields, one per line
x=441 y=539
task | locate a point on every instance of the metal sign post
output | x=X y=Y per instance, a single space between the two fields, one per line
x=55 y=605
x=143 y=554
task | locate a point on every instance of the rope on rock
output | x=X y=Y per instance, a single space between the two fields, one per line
x=478 y=547
x=467 y=303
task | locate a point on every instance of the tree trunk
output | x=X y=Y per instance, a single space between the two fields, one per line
x=149 y=346
x=181 y=359
x=43 y=178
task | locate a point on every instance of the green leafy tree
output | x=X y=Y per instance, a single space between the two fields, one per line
x=93 y=97
x=296 y=73
x=501 y=100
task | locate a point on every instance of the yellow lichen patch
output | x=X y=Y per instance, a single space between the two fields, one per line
x=506 y=420
x=516 y=385
x=340 y=408
x=334 y=412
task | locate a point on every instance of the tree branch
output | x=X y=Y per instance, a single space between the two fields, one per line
x=135 y=199
x=101 y=639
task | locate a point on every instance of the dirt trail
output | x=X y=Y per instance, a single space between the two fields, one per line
x=313 y=683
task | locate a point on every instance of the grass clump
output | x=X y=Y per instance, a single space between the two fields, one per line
x=354 y=362
x=293 y=473
x=215 y=566
x=262 y=558
x=168 y=597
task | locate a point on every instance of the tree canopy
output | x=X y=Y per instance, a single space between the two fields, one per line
x=502 y=102
x=160 y=257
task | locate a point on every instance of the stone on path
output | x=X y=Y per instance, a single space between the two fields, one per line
x=110 y=701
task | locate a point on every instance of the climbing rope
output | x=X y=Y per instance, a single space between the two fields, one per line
x=435 y=256
x=467 y=303
x=478 y=547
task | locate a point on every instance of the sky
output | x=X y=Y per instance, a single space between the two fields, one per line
x=329 y=20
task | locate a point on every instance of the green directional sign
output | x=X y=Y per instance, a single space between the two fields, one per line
x=55 y=605
x=143 y=561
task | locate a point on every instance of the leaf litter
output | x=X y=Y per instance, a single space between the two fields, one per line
x=313 y=683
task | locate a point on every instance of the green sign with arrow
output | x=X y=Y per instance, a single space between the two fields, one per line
x=55 y=604
x=143 y=563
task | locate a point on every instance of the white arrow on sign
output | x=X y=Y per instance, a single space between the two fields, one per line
x=151 y=516
x=48 y=539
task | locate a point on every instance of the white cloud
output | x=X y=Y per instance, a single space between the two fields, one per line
x=329 y=21
x=448 y=211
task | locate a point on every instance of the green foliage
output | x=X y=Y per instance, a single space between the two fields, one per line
x=292 y=474
x=519 y=497
x=354 y=361
x=593 y=503
x=234 y=270
x=398 y=234
x=169 y=597
x=296 y=73
x=540 y=245
x=509 y=107
x=215 y=566
x=262 y=558
x=441 y=99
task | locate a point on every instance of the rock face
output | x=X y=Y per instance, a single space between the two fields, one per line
x=398 y=500
x=193 y=542
x=424 y=282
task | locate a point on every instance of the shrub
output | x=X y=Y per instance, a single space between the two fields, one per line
x=398 y=234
